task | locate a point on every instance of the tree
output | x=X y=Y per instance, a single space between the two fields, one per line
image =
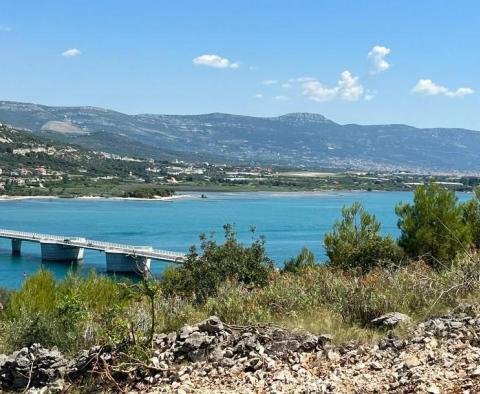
x=305 y=260
x=356 y=243
x=202 y=274
x=433 y=226
x=471 y=217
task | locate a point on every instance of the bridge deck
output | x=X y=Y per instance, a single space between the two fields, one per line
x=154 y=254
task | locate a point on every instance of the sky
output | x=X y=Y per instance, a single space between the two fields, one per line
x=358 y=61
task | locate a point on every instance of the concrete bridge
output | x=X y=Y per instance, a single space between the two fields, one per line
x=119 y=257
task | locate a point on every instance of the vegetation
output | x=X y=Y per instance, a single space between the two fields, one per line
x=355 y=242
x=304 y=261
x=471 y=217
x=149 y=192
x=201 y=275
x=433 y=227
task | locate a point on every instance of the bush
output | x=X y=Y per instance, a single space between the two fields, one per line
x=433 y=227
x=471 y=217
x=201 y=275
x=71 y=314
x=356 y=243
x=305 y=260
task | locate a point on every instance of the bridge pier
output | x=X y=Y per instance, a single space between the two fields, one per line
x=53 y=251
x=120 y=262
x=16 y=247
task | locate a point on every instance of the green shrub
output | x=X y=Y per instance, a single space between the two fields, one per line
x=201 y=275
x=471 y=217
x=433 y=227
x=72 y=314
x=356 y=243
x=305 y=260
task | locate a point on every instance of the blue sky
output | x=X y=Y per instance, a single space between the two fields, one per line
x=259 y=57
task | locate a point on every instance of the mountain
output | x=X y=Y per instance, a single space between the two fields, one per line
x=297 y=139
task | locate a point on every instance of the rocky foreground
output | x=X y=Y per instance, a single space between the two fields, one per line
x=441 y=355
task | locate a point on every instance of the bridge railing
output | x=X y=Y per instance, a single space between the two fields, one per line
x=86 y=243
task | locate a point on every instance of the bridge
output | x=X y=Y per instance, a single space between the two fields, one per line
x=119 y=257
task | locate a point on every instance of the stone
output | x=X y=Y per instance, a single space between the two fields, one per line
x=390 y=320
x=212 y=325
x=324 y=339
x=310 y=343
x=196 y=340
x=34 y=366
x=216 y=355
x=186 y=331
x=154 y=361
x=411 y=361
x=433 y=389
x=333 y=356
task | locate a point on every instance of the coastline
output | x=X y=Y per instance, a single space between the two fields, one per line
x=197 y=194
x=93 y=198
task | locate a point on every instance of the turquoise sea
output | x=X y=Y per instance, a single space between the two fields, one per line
x=289 y=221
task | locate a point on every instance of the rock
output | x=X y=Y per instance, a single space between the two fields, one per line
x=389 y=320
x=217 y=354
x=186 y=331
x=333 y=356
x=411 y=361
x=283 y=347
x=310 y=343
x=34 y=366
x=433 y=389
x=196 y=340
x=212 y=325
x=323 y=339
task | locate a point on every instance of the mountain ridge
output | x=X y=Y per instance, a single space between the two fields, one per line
x=298 y=139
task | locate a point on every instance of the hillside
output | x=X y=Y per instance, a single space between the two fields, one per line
x=31 y=165
x=297 y=139
x=21 y=149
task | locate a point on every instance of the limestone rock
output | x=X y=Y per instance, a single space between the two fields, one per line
x=391 y=319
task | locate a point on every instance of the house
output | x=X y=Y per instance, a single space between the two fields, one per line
x=41 y=171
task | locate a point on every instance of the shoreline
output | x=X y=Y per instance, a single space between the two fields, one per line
x=194 y=194
x=93 y=198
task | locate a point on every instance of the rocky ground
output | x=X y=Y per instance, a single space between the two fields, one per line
x=441 y=355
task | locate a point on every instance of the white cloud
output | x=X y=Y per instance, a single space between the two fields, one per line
x=214 y=61
x=258 y=95
x=301 y=79
x=315 y=91
x=281 y=98
x=369 y=97
x=377 y=57
x=71 y=52
x=286 y=85
x=348 y=88
x=430 y=88
x=5 y=28
x=269 y=82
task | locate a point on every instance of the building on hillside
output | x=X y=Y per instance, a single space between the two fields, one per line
x=41 y=171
